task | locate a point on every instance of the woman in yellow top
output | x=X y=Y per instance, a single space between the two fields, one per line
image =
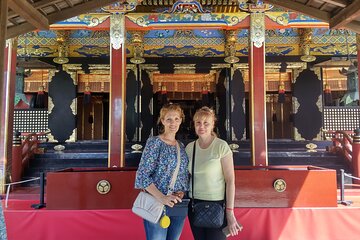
x=213 y=172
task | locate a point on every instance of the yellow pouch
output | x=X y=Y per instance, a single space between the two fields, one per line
x=164 y=221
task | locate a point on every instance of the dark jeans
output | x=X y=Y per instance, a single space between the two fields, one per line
x=205 y=233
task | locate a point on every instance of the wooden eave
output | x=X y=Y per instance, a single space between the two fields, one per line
x=338 y=13
x=24 y=16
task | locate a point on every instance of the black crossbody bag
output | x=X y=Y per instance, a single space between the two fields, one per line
x=207 y=214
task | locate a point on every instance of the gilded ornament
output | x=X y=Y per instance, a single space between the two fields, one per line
x=73 y=106
x=295 y=104
x=257 y=29
x=50 y=105
x=297 y=135
x=72 y=138
x=117 y=29
x=103 y=187
x=279 y=185
x=311 y=147
x=51 y=138
x=319 y=103
x=233 y=134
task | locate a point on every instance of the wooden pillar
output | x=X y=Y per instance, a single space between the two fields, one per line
x=257 y=89
x=358 y=60
x=117 y=91
x=356 y=156
x=3 y=81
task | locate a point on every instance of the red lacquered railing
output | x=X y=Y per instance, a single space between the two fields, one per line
x=23 y=152
x=343 y=143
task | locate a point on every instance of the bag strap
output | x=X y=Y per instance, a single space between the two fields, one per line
x=192 y=180
x=176 y=171
x=192 y=175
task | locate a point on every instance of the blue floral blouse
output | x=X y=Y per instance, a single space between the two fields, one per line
x=157 y=164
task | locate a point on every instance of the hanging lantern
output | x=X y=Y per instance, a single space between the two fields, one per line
x=87 y=92
x=205 y=96
x=163 y=95
x=281 y=92
x=40 y=97
x=87 y=95
x=327 y=95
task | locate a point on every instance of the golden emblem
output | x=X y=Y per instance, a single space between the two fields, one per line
x=279 y=185
x=103 y=187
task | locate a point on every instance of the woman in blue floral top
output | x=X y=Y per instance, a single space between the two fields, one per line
x=157 y=164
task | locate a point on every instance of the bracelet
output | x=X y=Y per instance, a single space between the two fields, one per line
x=229 y=209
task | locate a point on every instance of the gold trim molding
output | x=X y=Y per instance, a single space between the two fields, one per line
x=73 y=106
x=51 y=138
x=50 y=105
x=72 y=138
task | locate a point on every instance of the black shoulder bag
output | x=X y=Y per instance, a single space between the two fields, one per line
x=207 y=214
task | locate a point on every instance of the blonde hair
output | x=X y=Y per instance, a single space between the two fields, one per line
x=167 y=108
x=205 y=112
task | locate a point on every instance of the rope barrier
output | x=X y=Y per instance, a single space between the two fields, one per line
x=14 y=183
x=350 y=176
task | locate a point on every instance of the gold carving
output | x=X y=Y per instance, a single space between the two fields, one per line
x=358 y=41
x=50 y=105
x=72 y=138
x=311 y=147
x=73 y=70
x=257 y=29
x=296 y=104
x=52 y=74
x=305 y=42
x=117 y=29
x=319 y=103
x=317 y=71
x=297 y=135
x=103 y=187
x=73 y=106
x=230 y=47
x=51 y=138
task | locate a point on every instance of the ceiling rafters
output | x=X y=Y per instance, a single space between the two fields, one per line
x=60 y=16
x=29 y=13
x=354 y=26
x=301 y=8
x=57 y=7
x=345 y=16
x=37 y=5
x=323 y=6
x=339 y=3
x=69 y=3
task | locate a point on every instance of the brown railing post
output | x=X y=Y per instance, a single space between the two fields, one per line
x=356 y=155
x=16 y=165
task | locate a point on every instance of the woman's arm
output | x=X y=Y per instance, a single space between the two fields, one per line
x=169 y=200
x=227 y=164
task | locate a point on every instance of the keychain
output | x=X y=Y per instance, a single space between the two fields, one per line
x=164 y=220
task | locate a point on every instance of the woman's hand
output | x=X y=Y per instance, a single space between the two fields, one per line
x=170 y=200
x=233 y=225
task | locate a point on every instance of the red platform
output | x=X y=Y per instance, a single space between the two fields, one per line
x=336 y=223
